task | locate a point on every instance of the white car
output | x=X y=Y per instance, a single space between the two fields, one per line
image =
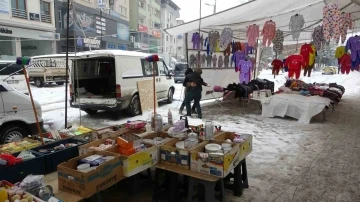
x=17 y=119
x=12 y=75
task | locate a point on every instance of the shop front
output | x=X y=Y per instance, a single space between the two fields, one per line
x=15 y=42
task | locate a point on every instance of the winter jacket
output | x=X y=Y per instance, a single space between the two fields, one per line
x=196 y=78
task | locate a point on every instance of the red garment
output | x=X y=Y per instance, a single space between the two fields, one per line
x=345 y=64
x=294 y=64
x=305 y=52
x=277 y=65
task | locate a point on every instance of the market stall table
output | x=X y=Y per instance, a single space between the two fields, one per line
x=296 y=106
x=52 y=180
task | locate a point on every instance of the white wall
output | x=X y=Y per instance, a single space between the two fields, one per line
x=124 y=3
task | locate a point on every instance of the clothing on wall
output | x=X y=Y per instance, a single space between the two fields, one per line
x=297 y=22
x=252 y=34
x=312 y=55
x=198 y=60
x=331 y=20
x=192 y=61
x=354 y=46
x=214 y=61
x=286 y=69
x=294 y=64
x=237 y=56
x=208 y=60
x=248 y=49
x=203 y=60
x=268 y=32
x=217 y=47
x=201 y=41
x=245 y=67
x=277 y=65
x=318 y=37
x=226 y=61
x=345 y=24
x=213 y=38
x=227 y=51
x=221 y=61
x=340 y=52
x=305 y=51
x=226 y=37
x=206 y=44
x=278 y=41
x=345 y=63
x=196 y=40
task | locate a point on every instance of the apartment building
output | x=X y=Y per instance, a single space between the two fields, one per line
x=94 y=24
x=145 y=25
x=27 y=28
x=180 y=46
x=169 y=13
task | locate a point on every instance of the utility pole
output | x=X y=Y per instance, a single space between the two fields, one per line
x=213 y=5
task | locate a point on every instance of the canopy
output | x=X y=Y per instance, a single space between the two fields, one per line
x=259 y=11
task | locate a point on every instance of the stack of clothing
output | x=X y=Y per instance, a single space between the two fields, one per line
x=244 y=90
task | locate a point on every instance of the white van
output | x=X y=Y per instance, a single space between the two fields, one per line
x=107 y=80
x=17 y=118
x=12 y=74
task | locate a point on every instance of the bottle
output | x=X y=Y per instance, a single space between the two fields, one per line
x=170 y=120
x=158 y=123
x=209 y=130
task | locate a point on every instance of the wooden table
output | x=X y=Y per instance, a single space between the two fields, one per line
x=186 y=172
x=52 y=180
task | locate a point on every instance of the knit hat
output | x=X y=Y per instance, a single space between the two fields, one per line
x=198 y=70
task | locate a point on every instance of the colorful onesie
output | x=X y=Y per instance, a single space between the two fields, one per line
x=268 y=32
x=278 y=41
x=226 y=38
x=331 y=20
x=277 y=65
x=245 y=67
x=297 y=22
x=345 y=24
x=252 y=34
x=353 y=44
x=196 y=41
x=345 y=64
x=318 y=37
x=294 y=64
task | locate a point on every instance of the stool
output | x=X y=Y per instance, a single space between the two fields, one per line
x=209 y=189
x=167 y=191
x=240 y=179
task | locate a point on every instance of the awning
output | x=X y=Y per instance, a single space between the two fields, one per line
x=259 y=11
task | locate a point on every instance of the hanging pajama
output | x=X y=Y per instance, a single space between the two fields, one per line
x=226 y=38
x=192 y=60
x=340 y=51
x=307 y=70
x=245 y=67
x=294 y=64
x=239 y=55
x=208 y=60
x=331 y=19
x=297 y=22
x=226 y=61
x=278 y=41
x=268 y=32
x=206 y=43
x=252 y=34
x=196 y=40
x=345 y=24
x=213 y=37
x=227 y=51
x=221 y=62
x=353 y=44
x=214 y=61
x=201 y=42
x=305 y=51
x=217 y=47
x=203 y=60
x=277 y=65
x=318 y=37
x=345 y=64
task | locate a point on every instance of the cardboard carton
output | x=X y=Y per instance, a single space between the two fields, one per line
x=87 y=184
x=151 y=136
x=245 y=147
x=214 y=164
x=109 y=132
x=83 y=149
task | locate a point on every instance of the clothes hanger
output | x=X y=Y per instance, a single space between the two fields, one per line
x=296 y=14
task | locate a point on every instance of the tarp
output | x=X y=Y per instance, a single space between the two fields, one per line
x=259 y=11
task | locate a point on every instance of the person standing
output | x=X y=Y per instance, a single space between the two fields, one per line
x=189 y=70
x=194 y=82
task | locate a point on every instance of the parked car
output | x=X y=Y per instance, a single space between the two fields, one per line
x=107 y=80
x=17 y=119
x=179 y=72
x=329 y=70
x=12 y=75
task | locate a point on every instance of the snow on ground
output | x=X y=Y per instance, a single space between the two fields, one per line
x=317 y=162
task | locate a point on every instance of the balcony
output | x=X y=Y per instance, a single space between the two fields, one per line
x=18 y=13
x=46 y=18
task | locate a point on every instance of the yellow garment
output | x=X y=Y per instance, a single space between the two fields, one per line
x=217 y=47
x=340 y=51
x=312 y=55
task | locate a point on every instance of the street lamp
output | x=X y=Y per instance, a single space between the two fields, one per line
x=213 y=5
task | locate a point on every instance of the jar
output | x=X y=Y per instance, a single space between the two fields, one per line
x=158 y=123
x=209 y=130
x=191 y=142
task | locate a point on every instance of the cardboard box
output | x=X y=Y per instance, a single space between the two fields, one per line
x=181 y=158
x=153 y=135
x=87 y=184
x=84 y=149
x=139 y=161
x=109 y=132
x=245 y=147
x=217 y=165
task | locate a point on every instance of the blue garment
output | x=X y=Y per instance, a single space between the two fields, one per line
x=355 y=64
x=286 y=69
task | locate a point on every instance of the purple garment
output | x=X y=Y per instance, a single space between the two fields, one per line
x=237 y=57
x=248 y=49
x=196 y=40
x=245 y=69
x=353 y=44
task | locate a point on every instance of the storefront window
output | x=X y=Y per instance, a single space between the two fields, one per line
x=31 y=47
x=8 y=48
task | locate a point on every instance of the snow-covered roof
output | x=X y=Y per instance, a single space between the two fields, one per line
x=259 y=11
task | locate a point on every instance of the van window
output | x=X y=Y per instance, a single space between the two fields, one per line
x=11 y=69
x=148 y=68
x=162 y=68
x=181 y=67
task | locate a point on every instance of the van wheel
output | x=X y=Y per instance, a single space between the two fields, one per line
x=39 y=82
x=135 y=106
x=12 y=133
x=170 y=98
x=60 y=83
x=90 y=111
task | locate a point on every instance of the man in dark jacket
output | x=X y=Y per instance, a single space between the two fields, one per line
x=194 y=82
x=188 y=71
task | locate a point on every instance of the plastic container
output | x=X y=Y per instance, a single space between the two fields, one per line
x=18 y=172
x=209 y=130
x=53 y=158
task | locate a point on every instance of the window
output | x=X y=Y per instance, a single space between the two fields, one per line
x=18 y=9
x=167 y=38
x=149 y=8
x=162 y=68
x=45 y=11
x=148 y=68
x=142 y=5
x=11 y=69
x=123 y=11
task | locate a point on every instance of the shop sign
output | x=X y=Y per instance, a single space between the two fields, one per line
x=156 y=34
x=34 y=16
x=93 y=43
x=4 y=6
x=118 y=47
x=28 y=33
x=141 y=46
x=5 y=31
x=142 y=28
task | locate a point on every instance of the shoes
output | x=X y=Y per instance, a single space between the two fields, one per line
x=193 y=112
x=199 y=117
x=181 y=112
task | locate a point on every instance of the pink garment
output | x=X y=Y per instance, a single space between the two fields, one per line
x=268 y=32
x=252 y=34
x=245 y=70
x=331 y=22
x=345 y=24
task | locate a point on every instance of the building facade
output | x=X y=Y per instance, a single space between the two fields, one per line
x=92 y=28
x=27 y=28
x=145 y=25
x=180 y=46
x=169 y=13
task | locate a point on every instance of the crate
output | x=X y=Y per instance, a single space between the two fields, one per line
x=17 y=172
x=54 y=158
x=245 y=147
